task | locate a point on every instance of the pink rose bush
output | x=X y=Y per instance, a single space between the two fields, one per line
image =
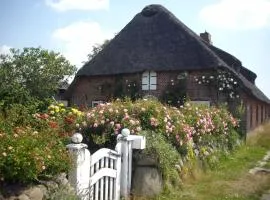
x=190 y=124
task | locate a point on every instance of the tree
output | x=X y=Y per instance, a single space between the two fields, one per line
x=31 y=74
x=96 y=49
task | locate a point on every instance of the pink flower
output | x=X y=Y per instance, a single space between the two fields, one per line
x=118 y=126
x=138 y=129
x=112 y=123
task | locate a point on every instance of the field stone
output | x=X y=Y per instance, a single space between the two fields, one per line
x=35 y=193
x=265 y=197
x=147 y=161
x=61 y=179
x=12 y=198
x=147 y=181
x=23 y=197
x=257 y=170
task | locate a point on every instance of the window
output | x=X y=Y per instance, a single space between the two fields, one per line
x=205 y=103
x=149 y=80
x=95 y=103
x=257 y=115
x=251 y=116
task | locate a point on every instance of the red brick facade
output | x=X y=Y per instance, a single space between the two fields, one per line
x=86 y=90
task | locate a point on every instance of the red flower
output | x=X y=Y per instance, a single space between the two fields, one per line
x=53 y=124
x=69 y=120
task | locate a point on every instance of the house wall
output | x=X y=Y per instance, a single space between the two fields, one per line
x=257 y=112
x=103 y=88
x=88 y=89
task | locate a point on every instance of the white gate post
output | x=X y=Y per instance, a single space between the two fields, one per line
x=125 y=189
x=129 y=142
x=118 y=149
x=79 y=175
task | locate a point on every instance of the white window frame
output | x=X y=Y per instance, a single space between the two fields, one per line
x=96 y=103
x=205 y=103
x=149 y=80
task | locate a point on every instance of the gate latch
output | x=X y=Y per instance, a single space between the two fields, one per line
x=111 y=153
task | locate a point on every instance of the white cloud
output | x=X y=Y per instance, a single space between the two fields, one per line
x=4 y=49
x=64 y=5
x=237 y=14
x=77 y=40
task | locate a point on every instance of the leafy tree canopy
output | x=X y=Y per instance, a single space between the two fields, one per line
x=96 y=49
x=31 y=74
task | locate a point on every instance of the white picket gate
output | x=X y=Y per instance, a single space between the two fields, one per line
x=105 y=169
x=105 y=175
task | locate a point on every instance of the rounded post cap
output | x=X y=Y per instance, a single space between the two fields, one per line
x=77 y=138
x=125 y=132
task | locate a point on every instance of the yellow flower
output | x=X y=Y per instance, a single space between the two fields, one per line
x=4 y=154
x=61 y=105
x=51 y=107
x=56 y=109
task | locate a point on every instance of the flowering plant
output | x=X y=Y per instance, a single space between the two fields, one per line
x=27 y=155
x=189 y=124
x=63 y=120
x=223 y=81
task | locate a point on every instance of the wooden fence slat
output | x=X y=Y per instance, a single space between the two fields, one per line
x=111 y=180
x=106 y=179
x=102 y=180
x=96 y=182
x=91 y=186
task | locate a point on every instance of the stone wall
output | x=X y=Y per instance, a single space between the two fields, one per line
x=56 y=188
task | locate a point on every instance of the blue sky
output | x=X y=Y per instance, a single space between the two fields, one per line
x=72 y=27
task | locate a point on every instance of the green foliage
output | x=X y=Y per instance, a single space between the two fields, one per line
x=96 y=49
x=31 y=75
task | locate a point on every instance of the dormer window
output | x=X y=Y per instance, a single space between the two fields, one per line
x=149 y=80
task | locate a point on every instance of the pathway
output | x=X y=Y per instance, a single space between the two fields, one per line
x=263 y=166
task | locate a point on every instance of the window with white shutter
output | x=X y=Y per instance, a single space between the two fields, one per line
x=149 y=80
x=153 y=80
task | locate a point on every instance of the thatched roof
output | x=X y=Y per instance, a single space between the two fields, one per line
x=156 y=40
